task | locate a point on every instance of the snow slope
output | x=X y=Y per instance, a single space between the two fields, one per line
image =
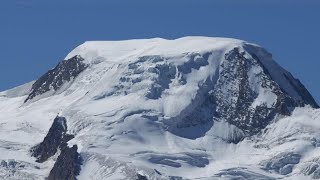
x=191 y=108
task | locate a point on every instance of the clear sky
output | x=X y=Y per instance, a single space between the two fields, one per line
x=36 y=34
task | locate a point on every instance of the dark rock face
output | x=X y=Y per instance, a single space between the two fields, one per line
x=55 y=137
x=54 y=79
x=234 y=95
x=67 y=166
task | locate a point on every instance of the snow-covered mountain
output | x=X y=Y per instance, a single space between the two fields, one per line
x=190 y=108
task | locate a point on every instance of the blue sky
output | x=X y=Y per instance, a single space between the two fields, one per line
x=36 y=34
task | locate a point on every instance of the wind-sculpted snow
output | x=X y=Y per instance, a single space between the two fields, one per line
x=191 y=108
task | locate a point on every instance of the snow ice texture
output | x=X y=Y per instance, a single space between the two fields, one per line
x=190 y=108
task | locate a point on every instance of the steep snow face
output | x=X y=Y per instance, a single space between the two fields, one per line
x=194 y=107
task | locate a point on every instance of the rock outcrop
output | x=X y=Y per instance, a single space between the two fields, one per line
x=56 y=137
x=68 y=164
x=56 y=78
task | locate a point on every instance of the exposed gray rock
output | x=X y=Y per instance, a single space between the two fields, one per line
x=54 y=79
x=55 y=137
x=67 y=166
x=234 y=95
x=235 y=80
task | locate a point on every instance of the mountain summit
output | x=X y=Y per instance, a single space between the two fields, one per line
x=190 y=108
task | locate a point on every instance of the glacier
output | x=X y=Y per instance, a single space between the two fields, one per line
x=190 y=108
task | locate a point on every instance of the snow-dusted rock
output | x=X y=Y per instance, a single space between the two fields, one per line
x=57 y=78
x=195 y=107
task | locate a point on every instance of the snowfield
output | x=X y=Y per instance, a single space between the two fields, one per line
x=192 y=108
